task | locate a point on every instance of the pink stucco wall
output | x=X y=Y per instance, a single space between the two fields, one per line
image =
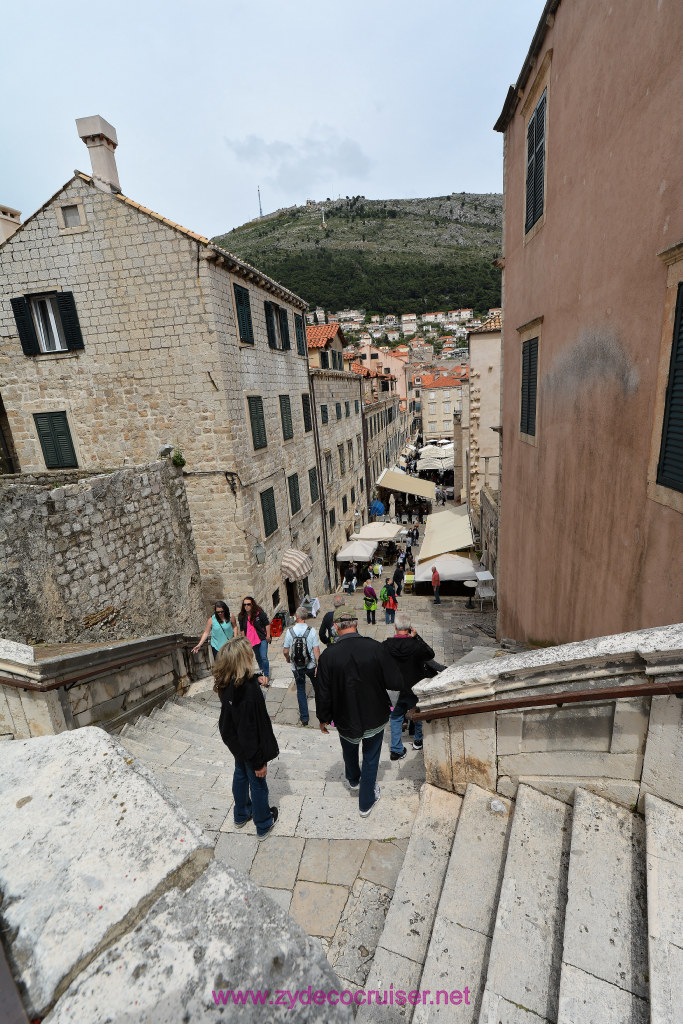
x=583 y=550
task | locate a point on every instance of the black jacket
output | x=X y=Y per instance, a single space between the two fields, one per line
x=260 y=622
x=351 y=687
x=325 y=627
x=398 y=575
x=409 y=654
x=244 y=724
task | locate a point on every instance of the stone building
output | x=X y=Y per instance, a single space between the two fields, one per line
x=338 y=426
x=441 y=395
x=485 y=380
x=385 y=421
x=591 y=523
x=122 y=332
x=387 y=362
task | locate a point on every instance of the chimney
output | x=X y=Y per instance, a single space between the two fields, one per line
x=100 y=138
x=9 y=221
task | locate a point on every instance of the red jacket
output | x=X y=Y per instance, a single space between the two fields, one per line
x=436 y=579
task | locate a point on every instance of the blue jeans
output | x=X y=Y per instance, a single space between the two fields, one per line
x=396 y=724
x=389 y=615
x=244 y=779
x=261 y=652
x=437 y=599
x=367 y=776
x=300 y=680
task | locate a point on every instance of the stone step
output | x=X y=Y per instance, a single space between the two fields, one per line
x=190 y=720
x=604 y=958
x=458 y=952
x=664 y=843
x=523 y=977
x=150 y=755
x=160 y=727
x=407 y=929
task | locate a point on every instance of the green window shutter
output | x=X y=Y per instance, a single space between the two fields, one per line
x=670 y=468
x=258 y=422
x=284 y=327
x=357 y=405
x=269 y=511
x=25 y=326
x=324 y=361
x=338 y=409
x=66 y=304
x=347 y=408
x=527 y=423
x=286 y=417
x=294 y=497
x=55 y=440
x=271 y=329
x=313 y=485
x=245 y=327
x=300 y=334
x=323 y=414
x=306 y=407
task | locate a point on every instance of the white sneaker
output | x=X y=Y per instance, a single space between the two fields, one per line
x=364 y=814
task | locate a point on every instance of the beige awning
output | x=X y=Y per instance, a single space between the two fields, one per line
x=379 y=531
x=295 y=565
x=450 y=567
x=395 y=480
x=446 y=532
x=357 y=551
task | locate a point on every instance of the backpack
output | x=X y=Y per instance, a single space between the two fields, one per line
x=300 y=656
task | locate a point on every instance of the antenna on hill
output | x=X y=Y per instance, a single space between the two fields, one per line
x=260 y=210
x=323 y=216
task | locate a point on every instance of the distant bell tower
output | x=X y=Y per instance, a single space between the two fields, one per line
x=260 y=210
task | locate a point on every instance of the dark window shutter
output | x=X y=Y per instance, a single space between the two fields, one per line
x=294 y=497
x=323 y=414
x=271 y=330
x=306 y=406
x=313 y=484
x=25 y=326
x=357 y=407
x=269 y=511
x=286 y=417
x=353 y=495
x=338 y=409
x=284 y=327
x=670 y=468
x=244 y=325
x=258 y=423
x=333 y=517
x=55 y=440
x=300 y=334
x=66 y=305
x=535 y=165
x=347 y=408
x=527 y=423
x=324 y=361
x=345 y=504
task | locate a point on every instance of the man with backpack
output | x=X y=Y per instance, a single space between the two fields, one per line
x=302 y=650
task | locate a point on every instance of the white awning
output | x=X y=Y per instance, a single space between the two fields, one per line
x=446 y=532
x=379 y=531
x=395 y=480
x=450 y=567
x=357 y=551
x=295 y=565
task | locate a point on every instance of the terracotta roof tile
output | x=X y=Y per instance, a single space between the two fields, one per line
x=492 y=323
x=320 y=334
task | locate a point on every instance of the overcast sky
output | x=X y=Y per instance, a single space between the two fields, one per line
x=383 y=98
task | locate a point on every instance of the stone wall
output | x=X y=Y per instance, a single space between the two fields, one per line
x=97 y=557
x=489 y=530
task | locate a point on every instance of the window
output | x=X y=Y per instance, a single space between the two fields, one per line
x=535 y=165
x=432 y=395
x=313 y=485
x=324 y=361
x=359 y=446
x=347 y=408
x=245 y=328
x=357 y=406
x=329 y=472
x=339 y=412
x=323 y=414
x=353 y=495
x=277 y=325
x=276 y=597
x=417 y=392
x=55 y=440
x=294 y=496
x=300 y=334
x=72 y=216
x=349 y=452
x=445 y=394
x=342 y=464
x=345 y=504
x=362 y=485
x=374 y=355
x=446 y=408
x=529 y=372
x=306 y=409
x=418 y=381
x=269 y=511
x=333 y=518
x=432 y=427
x=258 y=423
x=670 y=466
x=432 y=408
x=286 y=417
x=47 y=323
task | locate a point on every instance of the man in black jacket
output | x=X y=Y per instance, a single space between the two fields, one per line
x=409 y=653
x=354 y=675
x=328 y=635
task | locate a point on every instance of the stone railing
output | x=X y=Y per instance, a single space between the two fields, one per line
x=94 y=686
x=621 y=747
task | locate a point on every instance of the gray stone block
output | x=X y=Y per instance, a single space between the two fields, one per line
x=664 y=841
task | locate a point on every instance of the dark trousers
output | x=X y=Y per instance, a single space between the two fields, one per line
x=251 y=798
x=370 y=613
x=300 y=675
x=437 y=599
x=367 y=775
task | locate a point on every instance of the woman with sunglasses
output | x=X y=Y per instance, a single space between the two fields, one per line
x=221 y=627
x=255 y=625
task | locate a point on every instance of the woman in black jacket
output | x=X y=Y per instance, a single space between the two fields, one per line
x=246 y=730
x=255 y=625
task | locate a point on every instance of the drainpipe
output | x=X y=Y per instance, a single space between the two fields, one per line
x=365 y=445
x=321 y=490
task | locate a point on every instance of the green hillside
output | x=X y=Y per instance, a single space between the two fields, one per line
x=385 y=256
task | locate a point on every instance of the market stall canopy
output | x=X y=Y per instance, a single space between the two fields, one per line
x=379 y=531
x=446 y=532
x=357 y=551
x=450 y=567
x=395 y=480
x=295 y=565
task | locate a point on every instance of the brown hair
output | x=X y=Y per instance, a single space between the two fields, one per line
x=235 y=663
x=255 y=608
